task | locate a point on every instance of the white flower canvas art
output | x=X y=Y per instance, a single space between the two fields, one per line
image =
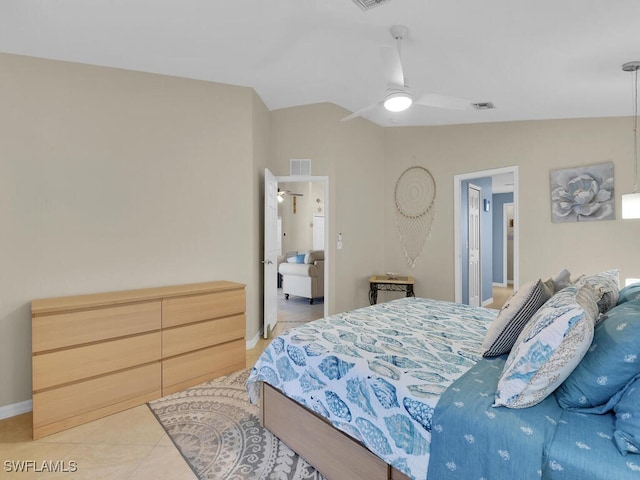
x=583 y=194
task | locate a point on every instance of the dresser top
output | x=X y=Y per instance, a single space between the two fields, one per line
x=46 y=306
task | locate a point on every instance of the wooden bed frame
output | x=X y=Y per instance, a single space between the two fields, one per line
x=336 y=455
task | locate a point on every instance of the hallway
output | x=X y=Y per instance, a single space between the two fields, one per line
x=500 y=296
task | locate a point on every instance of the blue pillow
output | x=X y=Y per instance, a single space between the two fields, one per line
x=627 y=430
x=630 y=292
x=299 y=258
x=609 y=364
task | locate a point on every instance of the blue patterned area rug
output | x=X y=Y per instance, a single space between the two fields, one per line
x=218 y=433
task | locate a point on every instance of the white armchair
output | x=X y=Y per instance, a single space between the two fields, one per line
x=304 y=279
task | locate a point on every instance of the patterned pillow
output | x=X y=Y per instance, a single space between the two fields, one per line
x=609 y=364
x=627 y=430
x=548 y=349
x=514 y=315
x=607 y=287
x=630 y=292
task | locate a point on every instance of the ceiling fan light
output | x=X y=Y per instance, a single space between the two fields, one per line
x=398 y=101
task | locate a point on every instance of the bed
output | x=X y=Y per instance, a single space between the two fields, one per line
x=397 y=356
x=358 y=395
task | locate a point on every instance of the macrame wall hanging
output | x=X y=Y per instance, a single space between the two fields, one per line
x=415 y=197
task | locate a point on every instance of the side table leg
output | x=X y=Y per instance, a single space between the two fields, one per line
x=373 y=293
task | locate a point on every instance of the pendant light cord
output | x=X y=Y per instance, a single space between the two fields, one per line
x=635 y=132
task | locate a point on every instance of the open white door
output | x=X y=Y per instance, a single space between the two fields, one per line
x=474 y=246
x=271 y=251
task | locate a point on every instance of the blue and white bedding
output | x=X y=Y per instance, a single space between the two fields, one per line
x=583 y=447
x=376 y=373
x=472 y=439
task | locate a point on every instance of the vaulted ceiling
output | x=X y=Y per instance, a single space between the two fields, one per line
x=532 y=59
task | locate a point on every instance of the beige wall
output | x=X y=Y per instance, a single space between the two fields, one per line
x=261 y=157
x=536 y=147
x=351 y=155
x=117 y=180
x=297 y=229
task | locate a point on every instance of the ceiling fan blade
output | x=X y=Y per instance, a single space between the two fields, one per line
x=359 y=113
x=392 y=66
x=443 y=101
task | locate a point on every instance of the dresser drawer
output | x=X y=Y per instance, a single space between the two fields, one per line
x=196 y=367
x=97 y=354
x=86 y=326
x=65 y=407
x=181 y=310
x=195 y=336
x=64 y=366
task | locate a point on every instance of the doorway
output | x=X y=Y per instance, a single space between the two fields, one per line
x=303 y=200
x=461 y=226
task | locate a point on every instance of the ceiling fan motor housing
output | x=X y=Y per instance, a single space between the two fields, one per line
x=398 y=99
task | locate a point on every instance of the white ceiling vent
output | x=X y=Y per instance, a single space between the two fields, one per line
x=300 y=167
x=369 y=4
x=483 y=105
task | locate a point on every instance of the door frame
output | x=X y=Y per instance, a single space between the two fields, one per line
x=327 y=246
x=457 y=198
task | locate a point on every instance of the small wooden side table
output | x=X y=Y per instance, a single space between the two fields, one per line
x=390 y=284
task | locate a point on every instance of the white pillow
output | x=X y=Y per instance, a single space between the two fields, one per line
x=549 y=348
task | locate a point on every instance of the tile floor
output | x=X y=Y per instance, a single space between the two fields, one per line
x=128 y=445
x=131 y=444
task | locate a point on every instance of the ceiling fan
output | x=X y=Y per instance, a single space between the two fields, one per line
x=284 y=193
x=398 y=96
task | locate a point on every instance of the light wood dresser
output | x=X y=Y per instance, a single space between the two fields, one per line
x=94 y=355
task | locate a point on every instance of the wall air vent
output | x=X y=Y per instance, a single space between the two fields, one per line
x=483 y=105
x=369 y=4
x=300 y=167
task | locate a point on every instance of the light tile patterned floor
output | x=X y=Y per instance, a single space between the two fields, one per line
x=128 y=445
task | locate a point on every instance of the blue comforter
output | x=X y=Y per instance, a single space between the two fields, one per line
x=376 y=373
x=471 y=439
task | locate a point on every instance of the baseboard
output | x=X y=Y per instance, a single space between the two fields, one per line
x=487 y=301
x=254 y=341
x=500 y=284
x=14 y=409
